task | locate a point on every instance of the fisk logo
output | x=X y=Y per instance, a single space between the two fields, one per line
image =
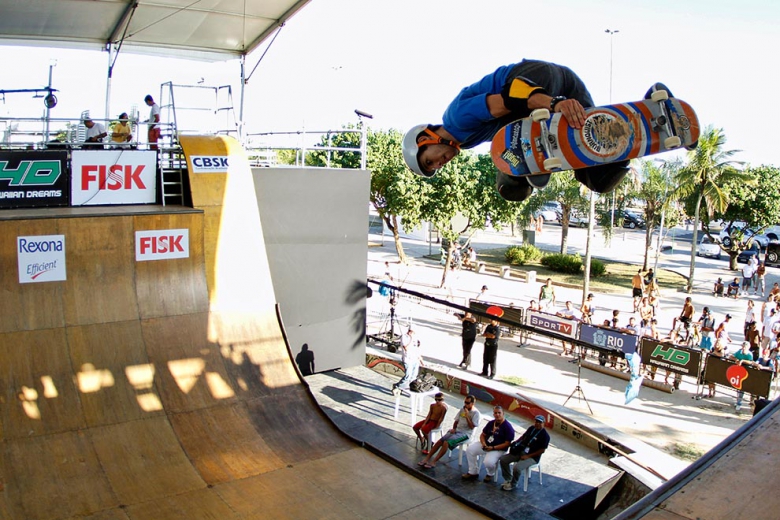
x=31 y=173
x=162 y=244
x=210 y=163
x=113 y=178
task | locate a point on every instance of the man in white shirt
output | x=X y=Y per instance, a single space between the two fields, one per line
x=154 y=117
x=411 y=357
x=95 y=134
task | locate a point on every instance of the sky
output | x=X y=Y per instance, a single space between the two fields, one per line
x=404 y=60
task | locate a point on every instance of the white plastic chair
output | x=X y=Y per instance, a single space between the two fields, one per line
x=465 y=444
x=527 y=471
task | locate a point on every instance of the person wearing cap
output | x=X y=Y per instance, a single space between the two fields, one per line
x=509 y=93
x=524 y=453
x=707 y=327
x=467 y=420
x=96 y=132
x=121 y=132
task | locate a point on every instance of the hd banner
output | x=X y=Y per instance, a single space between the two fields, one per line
x=552 y=323
x=33 y=179
x=609 y=339
x=681 y=360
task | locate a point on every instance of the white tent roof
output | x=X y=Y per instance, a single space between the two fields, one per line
x=210 y=29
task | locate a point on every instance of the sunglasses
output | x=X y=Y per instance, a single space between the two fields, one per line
x=439 y=399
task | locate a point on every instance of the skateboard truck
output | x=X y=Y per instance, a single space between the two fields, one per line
x=551 y=163
x=662 y=122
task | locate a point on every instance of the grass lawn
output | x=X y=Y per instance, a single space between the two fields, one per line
x=618 y=275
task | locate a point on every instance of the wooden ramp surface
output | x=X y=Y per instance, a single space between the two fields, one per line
x=164 y=389
x=733 y=481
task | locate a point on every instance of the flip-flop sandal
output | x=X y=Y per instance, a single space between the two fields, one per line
x=429 y=466
x=422 y=463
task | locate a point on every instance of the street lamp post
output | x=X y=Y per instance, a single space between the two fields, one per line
x=611 y=38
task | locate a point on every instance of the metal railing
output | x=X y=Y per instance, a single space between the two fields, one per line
x=262 y=147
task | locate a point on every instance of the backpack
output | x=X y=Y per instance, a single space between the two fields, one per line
x=423 y=383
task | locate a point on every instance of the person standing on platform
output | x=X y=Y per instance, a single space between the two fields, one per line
x=492 y=333
x=492 y=444
x=153 y=133
x=524 y=453
x=412 y=360
x=468 y=336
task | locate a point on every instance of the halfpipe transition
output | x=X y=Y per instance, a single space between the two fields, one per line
x=160 y=389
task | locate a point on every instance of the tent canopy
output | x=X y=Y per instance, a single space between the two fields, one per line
x=205 y=29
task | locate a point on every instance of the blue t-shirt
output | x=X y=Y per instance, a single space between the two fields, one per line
x=500 y=434
x=468 y=119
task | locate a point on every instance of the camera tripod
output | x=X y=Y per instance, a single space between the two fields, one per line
x=387 y=334
x=578 y=389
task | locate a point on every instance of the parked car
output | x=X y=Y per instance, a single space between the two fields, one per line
x=727 y=232
x=772 y=257
x=753 y=250
x=708 y=248
x=576 y=219
x=549 y=211
x=632 y=220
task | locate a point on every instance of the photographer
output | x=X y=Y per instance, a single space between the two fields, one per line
x=524 y=452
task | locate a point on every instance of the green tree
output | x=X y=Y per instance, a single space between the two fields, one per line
x=466 y=185
x=337 y=149
x=655 y=189
x=709 y=168
x=566 y=190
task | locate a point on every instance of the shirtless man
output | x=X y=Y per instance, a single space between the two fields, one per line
x=637 y=288
x=646 y=312
x=432 y=421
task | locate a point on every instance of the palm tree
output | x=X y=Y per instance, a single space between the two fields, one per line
x=709 y=167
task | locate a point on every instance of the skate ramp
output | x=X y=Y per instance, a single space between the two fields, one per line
x=164 y=389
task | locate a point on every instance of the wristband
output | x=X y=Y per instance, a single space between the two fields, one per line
x=554 y=101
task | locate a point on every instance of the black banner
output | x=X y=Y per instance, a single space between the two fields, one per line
x=739 y=377
x=677 y=359
x=33 y=179
x=513 y=314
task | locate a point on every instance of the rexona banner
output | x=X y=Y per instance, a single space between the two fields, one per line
x=41 y=258
x=562 y=326
x=609 y=339
x=33 y=179
x=162 y=244
x=113 y=177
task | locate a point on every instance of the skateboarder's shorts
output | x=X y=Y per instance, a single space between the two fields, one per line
x=453 y=439
x=637 y=292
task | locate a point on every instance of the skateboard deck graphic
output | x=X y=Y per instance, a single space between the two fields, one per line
x=611 y=133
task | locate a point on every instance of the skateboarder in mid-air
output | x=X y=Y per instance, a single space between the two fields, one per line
x=511 y=92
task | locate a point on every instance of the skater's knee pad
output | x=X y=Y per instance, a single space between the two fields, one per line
x=604 y=177
x=514 y=189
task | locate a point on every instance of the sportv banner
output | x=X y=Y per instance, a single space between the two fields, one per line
x=33 y=179
x=113 y=177
x=550 y=322
x=609 y=339
x=681 y=360
x=728 y=373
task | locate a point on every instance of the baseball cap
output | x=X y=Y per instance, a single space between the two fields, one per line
x=539 y=418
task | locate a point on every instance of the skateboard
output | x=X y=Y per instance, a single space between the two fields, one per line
x=542 y=144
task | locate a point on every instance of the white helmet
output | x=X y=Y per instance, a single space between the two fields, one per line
x=411 y=147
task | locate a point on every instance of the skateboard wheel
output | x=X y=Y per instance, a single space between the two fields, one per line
x=672 y=142
x=540 y=114
x=659 y=95
x=553 y=163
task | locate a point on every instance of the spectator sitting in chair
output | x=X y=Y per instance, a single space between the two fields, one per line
x=95 y=134
x=733 y=289
x=468 y=418
x=493 y=443
x=432 y=421
x=524 y=452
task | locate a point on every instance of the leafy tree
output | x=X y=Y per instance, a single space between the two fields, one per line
x=654 y=189
x=566 y=190
x=466 y=185
x=709 y=168
x=347 y=153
